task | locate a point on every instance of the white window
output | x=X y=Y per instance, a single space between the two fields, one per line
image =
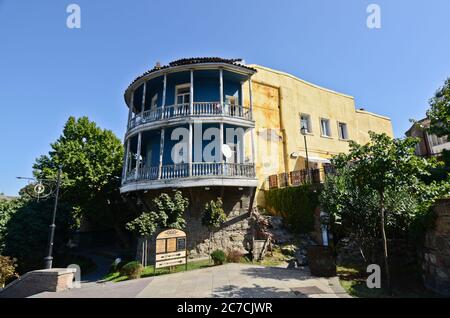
x=154 y=102
x=325 y=127
x=230 y=100
x=343 y=133
x=305 y=122
x=182 y=94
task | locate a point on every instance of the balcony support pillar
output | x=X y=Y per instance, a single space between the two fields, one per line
x=252 y=140
x=250 y=96
x=190 y=146
x=221 y=88
x=220 y=148
x=161 y=152
x=144 y=92
x=164 y=95
x=191 y=94
x=138 y=156
x=125 y=166
x=130 y=109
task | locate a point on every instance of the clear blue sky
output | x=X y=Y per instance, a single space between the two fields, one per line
x=49 y=72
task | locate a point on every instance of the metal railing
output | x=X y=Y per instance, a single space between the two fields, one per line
x=198 y=109
x=196 y=169
x=298 y=177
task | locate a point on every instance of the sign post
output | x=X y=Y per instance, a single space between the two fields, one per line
x=170 y=249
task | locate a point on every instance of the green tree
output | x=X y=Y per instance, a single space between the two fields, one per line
x=378 y=177
x=439 y=112
x=166 y=213
x=91 y=158
x=213 y=217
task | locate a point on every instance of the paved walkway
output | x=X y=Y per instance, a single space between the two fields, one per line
x=230 y=280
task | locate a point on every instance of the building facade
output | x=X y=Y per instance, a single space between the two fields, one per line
x=429 y=144
x=214 y=127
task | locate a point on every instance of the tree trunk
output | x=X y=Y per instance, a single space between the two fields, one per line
x=385 y=247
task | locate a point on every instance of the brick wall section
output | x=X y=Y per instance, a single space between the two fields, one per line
x=51 y=280
x=234 y=234
x=436 y=256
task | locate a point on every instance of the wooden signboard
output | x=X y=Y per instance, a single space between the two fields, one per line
x=171 y=249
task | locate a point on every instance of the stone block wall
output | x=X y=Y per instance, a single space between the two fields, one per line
x=235 y=233
x=436 y=254
x=34 y=282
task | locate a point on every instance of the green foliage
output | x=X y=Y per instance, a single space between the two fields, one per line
x=383 y=175
x=166 y=212
x=7 y=210
x=218 y=257
x=91 y=158
x=27 y=230
x=439 y=112
x=7 y=269
x=214 y=215
x=132 y=270
x=296 y=205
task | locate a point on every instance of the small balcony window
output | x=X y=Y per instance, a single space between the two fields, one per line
x=343 y=132
x=305 y=122
x=325 y=127
x=183 y=94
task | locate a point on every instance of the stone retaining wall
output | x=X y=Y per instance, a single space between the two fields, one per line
x=436 y=254
x=234 y=234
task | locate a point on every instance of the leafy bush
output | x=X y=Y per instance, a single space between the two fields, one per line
x=234 y=256
x=132 y=270
x=7 y=269
x=214 y=215
x=218 y=257
x=296 y=205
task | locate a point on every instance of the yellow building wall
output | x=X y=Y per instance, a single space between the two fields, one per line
x=278 y=100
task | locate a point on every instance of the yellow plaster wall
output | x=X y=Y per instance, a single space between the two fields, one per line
x=279 y=99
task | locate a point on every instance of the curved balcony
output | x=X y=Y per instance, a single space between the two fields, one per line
x=199 y=109
x=188 y=175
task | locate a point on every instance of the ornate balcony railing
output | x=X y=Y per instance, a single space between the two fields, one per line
x=198 y=109
x=199 y=169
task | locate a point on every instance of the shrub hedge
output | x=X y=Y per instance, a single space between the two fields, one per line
x=295 y=204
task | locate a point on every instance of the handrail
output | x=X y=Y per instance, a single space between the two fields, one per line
x=199 y=169
x=198 y=109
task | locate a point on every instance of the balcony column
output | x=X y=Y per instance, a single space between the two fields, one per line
x=144 y=92
x=252 y=138
x=191 y=94
x=190 y=150
x=164 y=95
x=126 y=158
x=250 y=96
x=220 y=148
x=161 y=152
x=221 y=89
x=130 y=109
x=138 y=155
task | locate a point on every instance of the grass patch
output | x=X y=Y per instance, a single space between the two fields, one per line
x=353 y=280
x=150 y=271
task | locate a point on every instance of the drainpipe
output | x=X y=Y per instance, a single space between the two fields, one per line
x=283 y=131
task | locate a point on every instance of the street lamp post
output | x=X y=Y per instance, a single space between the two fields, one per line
x=304 y=130
x=48 y=261
x=42 y=188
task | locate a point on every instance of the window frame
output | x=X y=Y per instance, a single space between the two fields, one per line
x=339 y=123
x=181 y=86
x=328 y=127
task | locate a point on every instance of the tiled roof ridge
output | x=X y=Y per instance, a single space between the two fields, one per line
x=193 y=60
